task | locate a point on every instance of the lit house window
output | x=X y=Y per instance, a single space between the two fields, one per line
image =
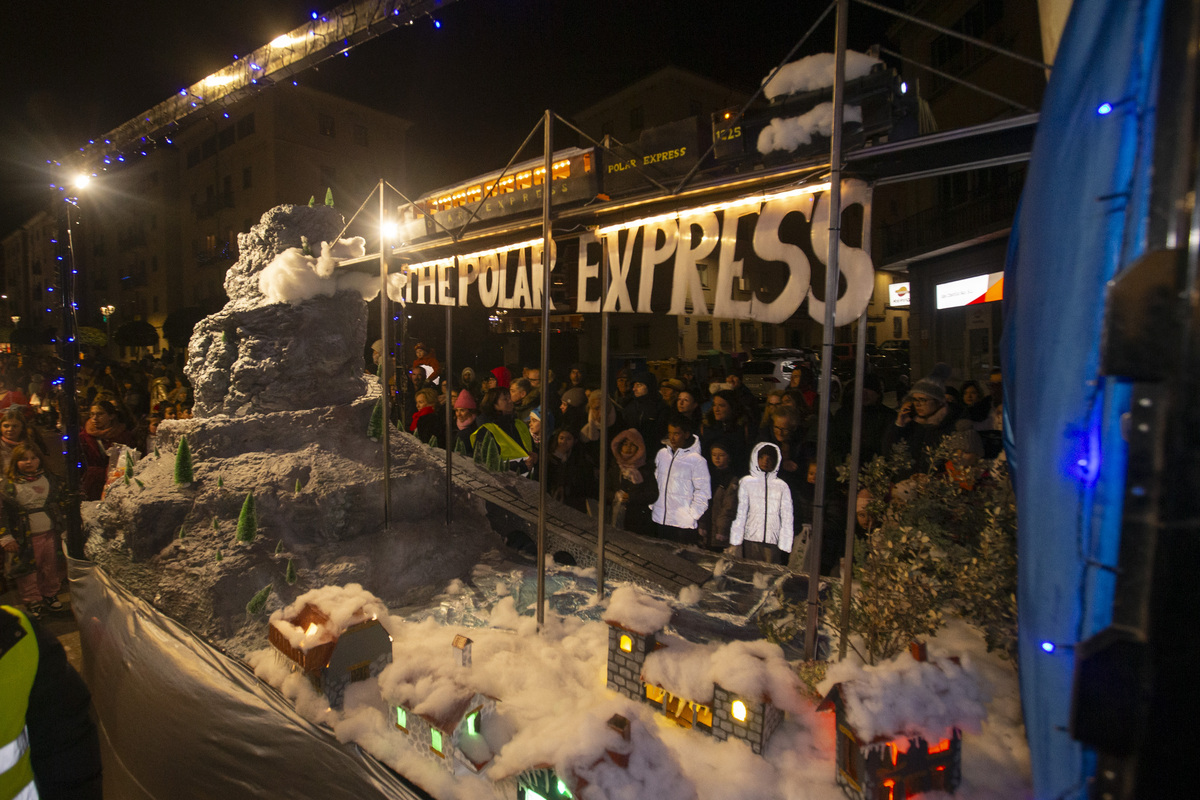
x=625 y=643
x=738 y=710
x=435 y=741
x=401 y=718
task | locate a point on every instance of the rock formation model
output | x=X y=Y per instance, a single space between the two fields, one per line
x=282 y=405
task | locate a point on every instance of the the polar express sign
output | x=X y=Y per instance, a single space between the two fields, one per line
x=759 y=258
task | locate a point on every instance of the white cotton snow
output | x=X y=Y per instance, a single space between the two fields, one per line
x=340 y=603
x=552 y=708
x=816 y=72
x=293 y=277
x=637 y=612
x=908 y=698
x=788 y=134
x=755 y=670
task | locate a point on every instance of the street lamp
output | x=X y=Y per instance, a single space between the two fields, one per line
x=106 y=312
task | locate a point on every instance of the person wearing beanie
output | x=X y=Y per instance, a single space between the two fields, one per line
x=925 y=420
x=426 y=358
x=499 y=378
x=645 y=410
x=722 y=508
x=573 y=408
x=669 y=391
x=876 y=419
x=466 y=420
x=623 y=392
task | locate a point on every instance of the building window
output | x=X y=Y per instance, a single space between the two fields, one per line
x=637 y=119
x=208 y=148
x=326 y=126
x=360 y=135
x=897 y=328
x=245 y=126
x=704 y=334
x=225 y=138
x=768 y=335
x=247 y=177
x=641 y=336
x=210 y=243
x=747 y=334
x=726 y=335
x=193 y=157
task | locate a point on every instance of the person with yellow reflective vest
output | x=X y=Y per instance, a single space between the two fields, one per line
x=48 y=745
x=500 y=432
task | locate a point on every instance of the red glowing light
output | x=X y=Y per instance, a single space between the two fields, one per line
x=941 y=747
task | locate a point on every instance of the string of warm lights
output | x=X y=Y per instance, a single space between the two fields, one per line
x=756 y=198
x=323 y=36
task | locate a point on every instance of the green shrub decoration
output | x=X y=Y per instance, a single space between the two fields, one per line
x=259 y=601
x=247 y=526
x=183 y=462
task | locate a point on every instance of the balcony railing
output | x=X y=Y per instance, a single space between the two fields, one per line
x=939 y=226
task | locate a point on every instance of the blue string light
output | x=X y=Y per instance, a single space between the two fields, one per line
x=1048 y=647
x=437 y=23
x=1104 y=109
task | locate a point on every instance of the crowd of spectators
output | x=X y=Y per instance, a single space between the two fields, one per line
x=679 y=450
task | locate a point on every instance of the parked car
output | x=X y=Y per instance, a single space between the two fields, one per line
x=771 y=368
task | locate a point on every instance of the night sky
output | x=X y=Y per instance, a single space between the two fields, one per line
x=474 y=88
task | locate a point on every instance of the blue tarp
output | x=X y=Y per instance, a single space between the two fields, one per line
x=1081 y=221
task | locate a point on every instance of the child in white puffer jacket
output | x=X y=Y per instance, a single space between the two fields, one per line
x=763 y=525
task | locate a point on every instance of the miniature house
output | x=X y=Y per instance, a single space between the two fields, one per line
x=893 y=765
x=713 y=709
x=544 y=783
x=333 y=659
x=451 y=734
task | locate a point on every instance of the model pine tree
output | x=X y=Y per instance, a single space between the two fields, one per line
x=460 y=446
x=433 y=441
x=259 y=601
x=375 y=426
x=290 y=574
x=128 y=466
x=329 y=197
x=183 y=462
x=247 y=527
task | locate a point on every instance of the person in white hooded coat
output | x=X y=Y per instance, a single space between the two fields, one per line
x=684 y=488
x=764 y=523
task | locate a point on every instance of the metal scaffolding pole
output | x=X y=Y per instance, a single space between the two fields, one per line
x=547 y=245
x=831 y=293
x=385 y=364
x=448 y=382
x=604 y=401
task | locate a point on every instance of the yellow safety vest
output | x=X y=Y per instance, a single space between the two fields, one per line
x=18 y=666
x=509 y=449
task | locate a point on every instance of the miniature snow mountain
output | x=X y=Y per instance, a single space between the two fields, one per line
x=282 y=412
x=291 y=336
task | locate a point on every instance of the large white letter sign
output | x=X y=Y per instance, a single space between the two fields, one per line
x=853 y=262
x=653 y=255
x=724 y=305
x=535 y=268
x=490 y=277
x=769 y=247
x=587 y=271
x=468 y=273
x=687 y=276
x=617 y=298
